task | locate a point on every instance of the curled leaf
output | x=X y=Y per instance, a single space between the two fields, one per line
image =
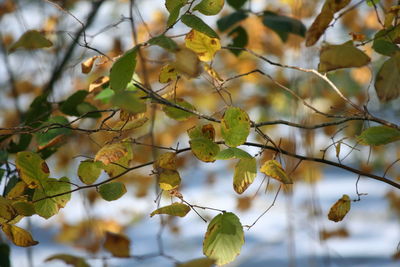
x=340 y=209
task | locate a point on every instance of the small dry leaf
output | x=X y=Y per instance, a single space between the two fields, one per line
x=87 y=65
x=117 y=244
x=98 y=83
x=274 y=169
x=340 y=209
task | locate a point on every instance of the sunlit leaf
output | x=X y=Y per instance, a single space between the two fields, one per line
x=18 y=236
x=228 y=21
x=378 y=135
x=321 y=23
x=245 y=172
x=187 y=63
x=166 y=160
x=236 y=3
x=283 y=25
x=224 y=238
x=178 y=114
x=69 y=259
x=175 y=209
x=164 y=42
x=200 y=262
x=87 y=65
x=239 y=39
x=99 y=83
x=168 y=73
x=340 y=209
x=45 y=204
x=334 y=57
x=117 y=244
x=112 y=191
x=204 y=46
x=30 y=40
x=274 y=169
x=31 y=168
x=122 y=70
x=387 y=81
x=210 y=7
x=199 y=25
x=233 y=153
x=235 y=126
x=169 y=179
x=89 y=171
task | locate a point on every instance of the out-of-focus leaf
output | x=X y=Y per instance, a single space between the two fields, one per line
x=387 y=81
x=100 y=82
x=199 y=25
x=204 y=46
x=340 y=209
x=210 y=7
x=378 y=135
x=168 y=73
x=174 y=8
x=18 y=236
x=164 y=42
x=129 y=101
x=230 y=20
x=89 y=171
x=334 y=57
x=122 y=70
x=112 y=191
x=52 y=136
x=166 y=161
x=112 y=152
x=283 y=25
x=30 y=40
x=24 y=208
x=32 y=169
x=7 y=212
x=126 y=126
x=385 y=41
x=187 y=63
x=200 y=262
x=68 y=107
x=239 y=39
x=175 y=209
x=87 y=65
x=321 y=23
x=224 y=238
x=235 y=126
x=118 y=245
x=245 y=172
x=69 y=259
x=274 y=169
x=47 y=207
x=169 y=179
x=4 y=255
x=236 y=3
x=178 y=114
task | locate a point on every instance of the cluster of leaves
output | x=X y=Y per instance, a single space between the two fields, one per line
x=47 y=127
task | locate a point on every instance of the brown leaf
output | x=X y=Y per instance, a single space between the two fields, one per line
x=117 y=244
x=87 y=65
x=340 y=209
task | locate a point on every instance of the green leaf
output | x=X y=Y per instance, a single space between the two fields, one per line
x=372 y=3
x=345 y=55
x=233 y=153
x=224 y=238
x=174 y=14
x=122 y=70
x=172 y=4
x=387 y=80
x=89 y=171
x=47 y=207
x=175 y=209
x=69 y=259
x=86 y=110
x=204 y=149
x=274 y=169
x=201 y=262
x=340 y=209
x=4 y=255
x=24 y=208
x=378 y=135
x=32 y=168
x=39 y=111
x=198 y=24
x=168 y=73
x=18 y=236
x=105 y=95
x=164 y=42
x=169 y=179
x=52 y=137
x=240 y=39
x=112 y=191
x=235 y=126
x=30 y=40
x=236 y=4
x=116 y=157
x=129 y=101
x=69 y=106
x=245 y=172
x=228 y=21
x=283 y=25
x=210 y=7
x=385 y=41
x=178 y=114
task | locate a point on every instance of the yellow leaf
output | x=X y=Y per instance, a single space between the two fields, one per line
x=111 y=153
x=98 y=83
x=18 y=236
x=175 y=209
x=166 y=161
x=340 y=209
x=169 y=179
x=117 y=244
x=204 y=46
x=187 y=63
x=274 y=169
x=245 y=172
x=212 y=72
x=30 y=40
x=167 y=74
x=87 y=65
